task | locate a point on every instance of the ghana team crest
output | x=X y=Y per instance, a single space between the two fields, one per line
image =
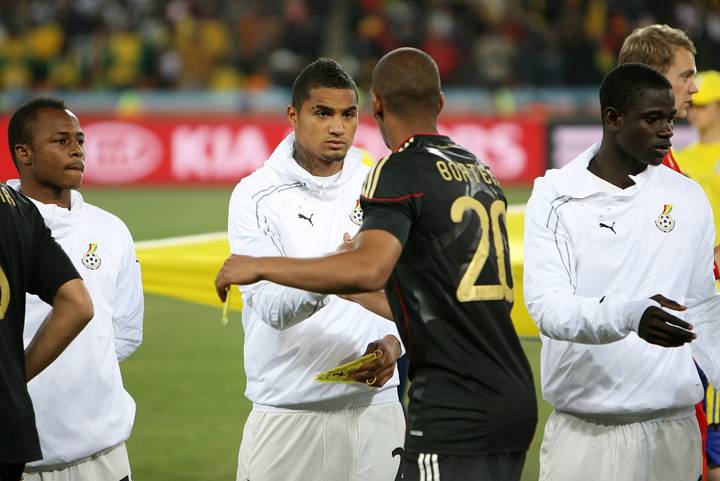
x=356 y=216
x=91 y=260
x=665 y=222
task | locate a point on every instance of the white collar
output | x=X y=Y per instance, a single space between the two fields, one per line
x=76 y=198
x=283 y=162
x=576 y=181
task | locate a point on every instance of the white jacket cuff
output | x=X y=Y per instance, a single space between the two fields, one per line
x=634 y=310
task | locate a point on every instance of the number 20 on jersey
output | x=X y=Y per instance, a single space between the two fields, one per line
x=467 y=290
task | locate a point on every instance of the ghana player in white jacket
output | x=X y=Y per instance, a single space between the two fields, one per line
x=300 y=428
x=603 y=236
x=83 y=413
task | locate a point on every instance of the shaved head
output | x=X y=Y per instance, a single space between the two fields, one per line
x=408 y=81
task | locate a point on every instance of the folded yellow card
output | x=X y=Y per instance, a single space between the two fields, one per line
x=343 y=372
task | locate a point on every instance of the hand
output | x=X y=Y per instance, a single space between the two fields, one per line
x=235 y=270
x=662 y=328
x=347 y=244
x=381 y=369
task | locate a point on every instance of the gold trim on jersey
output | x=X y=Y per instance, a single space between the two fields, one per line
x=4 y=293
x=6 y=197
x=371 y=181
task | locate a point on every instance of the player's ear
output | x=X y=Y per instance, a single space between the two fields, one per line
x=23 y=154
x=377 y=105
x=292 y=115
x=441 y=102
x=612 y=118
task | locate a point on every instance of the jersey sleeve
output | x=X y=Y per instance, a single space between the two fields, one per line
x=128 y=301
x=703 y=300
x=550 y=279
x=391 y=197
x=278 y=306
x=51 y=267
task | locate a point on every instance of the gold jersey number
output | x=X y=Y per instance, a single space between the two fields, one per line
x=467 y=290
x=4 y=293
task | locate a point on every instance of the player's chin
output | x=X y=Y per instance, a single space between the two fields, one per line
x=682 y=111
x=655 y=161
x=72 y=179
x=334 y=155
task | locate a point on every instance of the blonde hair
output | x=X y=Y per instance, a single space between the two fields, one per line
x=654 y=46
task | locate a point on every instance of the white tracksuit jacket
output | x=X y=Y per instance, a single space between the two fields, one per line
x=291 y=335
x=81 y=406
x=587 y=285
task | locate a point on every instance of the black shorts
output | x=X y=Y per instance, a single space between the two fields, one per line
x=435 y=467
x=11 y=472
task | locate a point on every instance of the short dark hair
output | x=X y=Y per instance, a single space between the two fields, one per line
x=408 y=81
x=20 y=126
x=623 y=86
x=322 y=73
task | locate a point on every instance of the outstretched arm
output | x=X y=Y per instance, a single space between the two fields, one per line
x=375 y=302
x=365 y=268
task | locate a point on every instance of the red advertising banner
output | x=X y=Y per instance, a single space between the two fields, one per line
x=210 y=150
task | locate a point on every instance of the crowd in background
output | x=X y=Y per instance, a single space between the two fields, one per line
x=254 y=44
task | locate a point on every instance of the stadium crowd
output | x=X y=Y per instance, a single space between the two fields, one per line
x=120 y=44
x=596 y=236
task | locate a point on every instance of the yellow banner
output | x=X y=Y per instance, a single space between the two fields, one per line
x=185 y=268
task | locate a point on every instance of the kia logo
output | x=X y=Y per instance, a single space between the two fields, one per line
x=120 y=152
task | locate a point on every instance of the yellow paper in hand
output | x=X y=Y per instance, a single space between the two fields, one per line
x=226 y=308
x=343 y=372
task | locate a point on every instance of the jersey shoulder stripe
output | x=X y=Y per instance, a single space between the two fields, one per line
x=371 y=180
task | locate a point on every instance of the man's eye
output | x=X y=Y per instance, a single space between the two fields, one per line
x=61 y=141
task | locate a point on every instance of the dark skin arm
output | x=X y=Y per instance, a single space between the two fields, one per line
x=366 y=268
x=662 y=328
x=375 y=302
x=361 y=267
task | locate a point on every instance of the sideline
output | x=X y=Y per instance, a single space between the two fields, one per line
x=181 y=240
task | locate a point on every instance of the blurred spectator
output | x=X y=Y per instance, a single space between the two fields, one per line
x=253 y=44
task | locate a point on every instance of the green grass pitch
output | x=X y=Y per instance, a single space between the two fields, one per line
x=187 y=378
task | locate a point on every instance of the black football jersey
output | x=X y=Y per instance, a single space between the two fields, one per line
x=30 y=261
x=451 y=293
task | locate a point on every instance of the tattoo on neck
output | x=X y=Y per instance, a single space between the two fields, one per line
x=302 y=159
